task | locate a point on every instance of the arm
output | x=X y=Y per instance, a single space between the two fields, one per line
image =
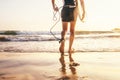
x=54 y=6
x=83 y=9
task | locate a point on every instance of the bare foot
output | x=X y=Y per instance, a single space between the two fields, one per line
x=74 y=64
x=71 y=51
x=61 y=50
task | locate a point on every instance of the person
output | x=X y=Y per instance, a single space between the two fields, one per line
x=69 y=15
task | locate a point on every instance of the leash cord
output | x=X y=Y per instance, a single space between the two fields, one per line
x=57 y=20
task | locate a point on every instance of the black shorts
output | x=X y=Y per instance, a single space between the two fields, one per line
x=67 y=14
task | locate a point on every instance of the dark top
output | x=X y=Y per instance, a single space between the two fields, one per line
x=69 y=2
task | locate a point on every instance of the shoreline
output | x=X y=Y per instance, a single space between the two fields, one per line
x=46 y=66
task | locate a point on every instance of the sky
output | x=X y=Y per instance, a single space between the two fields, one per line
x=37 y=15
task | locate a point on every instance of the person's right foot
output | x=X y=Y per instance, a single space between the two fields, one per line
x=74 y=64
x=61 y=50
x=71 y=51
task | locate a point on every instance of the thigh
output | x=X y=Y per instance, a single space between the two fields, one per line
x=64 y=26
x=72 y=26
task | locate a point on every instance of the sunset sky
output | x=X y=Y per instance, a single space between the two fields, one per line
x=36 y=15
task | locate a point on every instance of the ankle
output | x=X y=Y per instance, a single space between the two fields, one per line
x=61 y=40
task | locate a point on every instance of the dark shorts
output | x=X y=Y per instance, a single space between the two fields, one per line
x=67 y=14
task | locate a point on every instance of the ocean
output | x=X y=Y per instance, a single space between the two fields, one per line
x=44 y=41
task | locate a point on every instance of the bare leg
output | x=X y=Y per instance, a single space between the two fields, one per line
x=72 y=34
x=62 y=45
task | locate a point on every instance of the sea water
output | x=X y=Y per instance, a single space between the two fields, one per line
x=43 y=41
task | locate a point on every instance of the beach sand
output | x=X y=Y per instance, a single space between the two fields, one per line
x=46 y=66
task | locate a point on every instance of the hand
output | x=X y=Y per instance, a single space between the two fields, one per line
x=56 y=9
x=83 y=16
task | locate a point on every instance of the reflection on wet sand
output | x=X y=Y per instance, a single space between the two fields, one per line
x=65 y=76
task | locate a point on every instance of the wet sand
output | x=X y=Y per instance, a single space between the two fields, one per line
x=46 y=66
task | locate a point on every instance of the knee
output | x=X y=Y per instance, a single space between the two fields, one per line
x=72 y=33
x=64 y=32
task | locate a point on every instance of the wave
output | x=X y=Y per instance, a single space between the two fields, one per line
x=80 y=45
x=45 y=42
x=27 y=32
x=26 y=36
x=47 y=36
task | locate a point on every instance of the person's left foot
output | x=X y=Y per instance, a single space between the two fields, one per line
x=62 y=61
x=61 y=50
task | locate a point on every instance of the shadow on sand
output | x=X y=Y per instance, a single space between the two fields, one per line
x=63 y=70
